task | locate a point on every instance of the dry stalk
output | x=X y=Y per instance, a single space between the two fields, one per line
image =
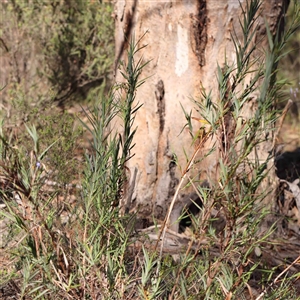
x=180 y=269
x=165 y=224
x=277 y=278
x=281 y=119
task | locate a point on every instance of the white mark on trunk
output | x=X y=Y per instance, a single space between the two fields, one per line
x=182 y=51
x=235 y=4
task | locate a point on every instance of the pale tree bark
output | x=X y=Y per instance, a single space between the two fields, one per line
x=186 y=40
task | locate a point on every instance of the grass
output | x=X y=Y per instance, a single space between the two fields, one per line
x=78 y=241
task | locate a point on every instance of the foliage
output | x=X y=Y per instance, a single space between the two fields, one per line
x=290 y=63
x=58 y=51
x=65 y=248
x=233 y=209
x=53 y=52
x=86 y=248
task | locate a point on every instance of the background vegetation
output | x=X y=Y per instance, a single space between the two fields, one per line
x=63 y=234
x=55 y=51
x=289 y=68
x=53 y=54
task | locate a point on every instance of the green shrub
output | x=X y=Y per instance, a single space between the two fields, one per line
x=58 y=51
x=86 y=250
x=71 y=251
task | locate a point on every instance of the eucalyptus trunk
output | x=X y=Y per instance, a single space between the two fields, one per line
x=185 y=42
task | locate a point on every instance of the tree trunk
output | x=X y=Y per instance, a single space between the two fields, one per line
x=186 y=40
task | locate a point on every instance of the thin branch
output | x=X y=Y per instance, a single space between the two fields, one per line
x=282 y=117
x=277 y=278
x=164 y=227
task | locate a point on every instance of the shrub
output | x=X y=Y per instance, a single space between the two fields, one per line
x=88 y=250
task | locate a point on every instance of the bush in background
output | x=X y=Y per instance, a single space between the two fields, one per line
x=54 y=51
